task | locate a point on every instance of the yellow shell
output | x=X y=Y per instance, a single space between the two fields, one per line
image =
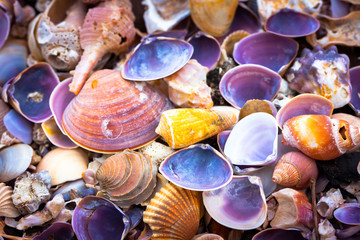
x=174 y=213
x=7 y=208
x=182 y=127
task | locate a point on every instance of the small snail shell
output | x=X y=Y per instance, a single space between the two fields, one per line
x=295 y=169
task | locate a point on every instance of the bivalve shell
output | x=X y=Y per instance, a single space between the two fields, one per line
x=7 y=208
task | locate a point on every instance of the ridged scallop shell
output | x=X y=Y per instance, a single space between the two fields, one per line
x=111 y=114
x=185 y=126
x=127 y=178
x=7 y=208
x=174 y=213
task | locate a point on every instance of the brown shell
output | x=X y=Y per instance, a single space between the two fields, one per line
x=127 y=178
x=111 y=114
x=174 y=213
x=4 y=109
x=207 y=236
x=7 y=208
x=295 y=169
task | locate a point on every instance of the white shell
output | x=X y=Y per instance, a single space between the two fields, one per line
x=7 y=208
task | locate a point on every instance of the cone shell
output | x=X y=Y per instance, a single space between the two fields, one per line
x=111 y=114
x=127 y=178
x=295 y=169
x=320 y=137
x=7 y=208
x=185 y=126
x=174 y=213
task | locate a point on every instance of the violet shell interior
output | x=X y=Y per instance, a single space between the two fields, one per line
x=277 y=234
x=355 y=84
x=348 y=214
x=18 y=126
x=206 y=50
x=4 y=26
x=56 y=231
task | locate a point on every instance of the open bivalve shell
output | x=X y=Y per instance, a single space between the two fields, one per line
x=127 y=178
x=239 y=205
x=111 y=114
x=174 y=213
x=199 y=167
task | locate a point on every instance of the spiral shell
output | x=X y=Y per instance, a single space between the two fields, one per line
x=295 y=169
x=174 y=213
x=7 y=208
x=127 y=178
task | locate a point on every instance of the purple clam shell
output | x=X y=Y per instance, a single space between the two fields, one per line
x=4 y=26
x=178 y=34
x=55 y=135
x=198 y=167
x=57 y=231
x=249 y=81
x=290 y=23
x=239 y=205
x=29 y=92
x=98 y=218
x=355 y=84
x=279 y=233
x=266 y=49
x=155 y=58
x=339 y=8
x=221 y=139
x=18 y=126
x=349 y=214
x=206 y=49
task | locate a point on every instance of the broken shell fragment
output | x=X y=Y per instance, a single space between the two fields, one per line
x=328 y=203
x=111 y=114
x=255 y=105
x=249 y=81
x=174 y=213
x=239 y=205
x=182 y=127
x=167 y=56
x=156 y=151
x=96 y=217
x=198 y=167
x=7 y=208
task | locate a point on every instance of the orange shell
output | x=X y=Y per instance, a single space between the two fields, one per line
x=174 y=213
x=295 y=169
x=320 y=137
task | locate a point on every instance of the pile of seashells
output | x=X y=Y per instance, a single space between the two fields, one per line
x=180 y=119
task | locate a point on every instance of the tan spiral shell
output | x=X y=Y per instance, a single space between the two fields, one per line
x=174 y=213
x=127 y=178
x=7 y=208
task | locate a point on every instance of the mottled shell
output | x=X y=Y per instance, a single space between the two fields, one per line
x=320 y=137
x=185 y=126
x=111 y=114
x=295 y=169
x=7 y=208
x=127 y=178
x=187 y=87
x=174 y=213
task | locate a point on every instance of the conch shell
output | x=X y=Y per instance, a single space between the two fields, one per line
x=107 y=27
x=320 y=137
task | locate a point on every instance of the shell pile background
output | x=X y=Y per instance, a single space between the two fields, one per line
x=180 y=119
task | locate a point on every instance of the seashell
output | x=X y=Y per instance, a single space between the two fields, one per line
x=248 y=145
x=29 y=92
x=352 y=120
x=207 y=236
x=127 y=178
x=239 y=205
x=167 y=55
x=326 y=229
x=320 y=137
x=328 y=203
x=255 y=105
x=304 y=104
x=174 y=213
x=206 y=49
x=323 y=72
x=265 y=173
x=55 y=136
x=227 y=46
x=221 y=140
x=62 y=229
x=92 y=1
x=187 y=87
x=57 y=162
x=7 y=208
x=96 y=217
x=35 y=51
x=30 y=191
x=161 y=181
x=355 y=84
x=5 y=20
x=12 y=59
x=348 y=213
x=108 y=27
x=156 y=151
x=11 y=237
x=198 y=167
x=105 y=102
x=266 y=49
x=295 y=169
x=293 y=210
x=290 y=23
x=176 y=33
x=57 y=33
x=249 y=81
x=164 y=15
x=17 y=126
x=185 y=126
x=279 y=233
x=4 y=109
x=209 y=19
x=342 y=31
x=14 y=160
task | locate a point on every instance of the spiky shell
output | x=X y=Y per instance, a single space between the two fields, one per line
x=174 y=213
x=185 y=126
x=7 y=208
